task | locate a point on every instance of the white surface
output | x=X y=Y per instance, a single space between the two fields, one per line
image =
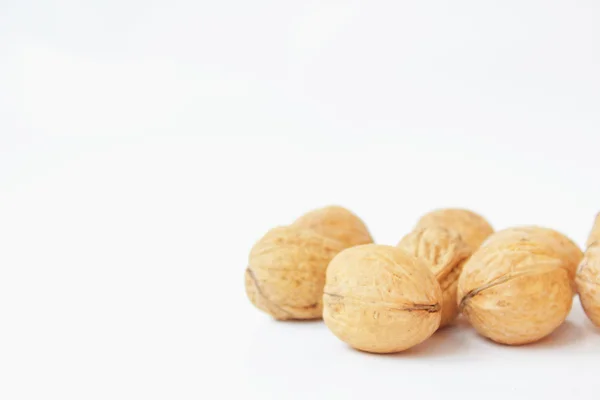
x=144 y=147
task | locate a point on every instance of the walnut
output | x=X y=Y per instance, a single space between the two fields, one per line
x=286 y=272
x=336 y=223
x=472 y=227
x=445 y=253
x=516 y=288
x=381 y=299
x=588 y=275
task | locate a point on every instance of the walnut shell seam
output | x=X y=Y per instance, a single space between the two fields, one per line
x=272 y=304
x=499 y=281
x=431 y=308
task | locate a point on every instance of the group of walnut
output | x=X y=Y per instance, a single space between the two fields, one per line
x=514 y=286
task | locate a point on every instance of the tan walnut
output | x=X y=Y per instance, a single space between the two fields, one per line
x=381 y=299
x=472 y=227
x=337 y=223
x=286 y=272
x=445 y=253
x=514 y=289
x=588 y=275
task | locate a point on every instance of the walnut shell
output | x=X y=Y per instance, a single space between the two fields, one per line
x=286 y=272
x=540 y=239
x=445 y=253
x=472 y=227
x=588 y=276
x=336 y=223
x=381 y=299
x=514 y=296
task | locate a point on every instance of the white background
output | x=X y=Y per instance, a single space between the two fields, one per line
x=145 y=146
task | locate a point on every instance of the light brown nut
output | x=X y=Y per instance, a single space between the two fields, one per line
x=380 y=299
x=588 y=276
x=445 y=253
x=286 y=272
x=514 y=296
x=336 y=223
x=540 y=239
x=472 y=227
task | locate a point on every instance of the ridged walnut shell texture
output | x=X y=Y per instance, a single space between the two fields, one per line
x=445 y=253
x=588 y=276
x=514 y=296
x=540 y=240
x=472 y=227
x=286 y=272
x=381 y=299
x=337 y=223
